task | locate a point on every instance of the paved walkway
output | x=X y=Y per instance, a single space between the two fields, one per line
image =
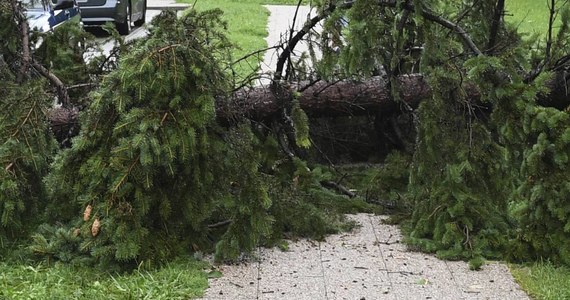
x=369 y=263
x=279 y=27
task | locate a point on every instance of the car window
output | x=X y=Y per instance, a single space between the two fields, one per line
x=34 y=3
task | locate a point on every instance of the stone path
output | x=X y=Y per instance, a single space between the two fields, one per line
x=369 y=263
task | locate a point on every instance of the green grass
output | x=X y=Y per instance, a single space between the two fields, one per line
x=182 y=279
x=530 y=16
x=246 y=29
x=543 y=280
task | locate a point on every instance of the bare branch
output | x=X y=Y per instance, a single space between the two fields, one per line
x=283 y=58
x=551 y=17
x=260 y=51
x=499 y=11
x=547 y=52
x=431 y=16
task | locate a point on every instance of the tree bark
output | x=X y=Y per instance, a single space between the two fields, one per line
x=342 y=98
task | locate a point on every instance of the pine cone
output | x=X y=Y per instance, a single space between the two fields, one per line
x=87 y=213
x=76 y=232
x=95 y=227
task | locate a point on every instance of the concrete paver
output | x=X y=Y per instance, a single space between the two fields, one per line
x=368 y=263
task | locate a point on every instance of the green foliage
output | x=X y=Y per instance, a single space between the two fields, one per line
x=459 y=172
x=151 y=160
x=26 y=145
x=153 y=175
x=25 y=154
x=482 y=185
x=544 y=192
x=180 y=279
x=538 y=142
x=528 y=167
x=457 y=185
x=389 y=182
x=301 y=207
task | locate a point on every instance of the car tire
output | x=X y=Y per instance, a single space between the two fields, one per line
x=125 y=27
x=142 y=20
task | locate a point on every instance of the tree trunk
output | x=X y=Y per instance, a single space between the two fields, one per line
x=342 y=98
x=330 y=99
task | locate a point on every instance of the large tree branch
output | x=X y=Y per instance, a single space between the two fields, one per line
x=63 y=95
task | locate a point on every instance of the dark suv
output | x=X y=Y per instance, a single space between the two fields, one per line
x=122 y=12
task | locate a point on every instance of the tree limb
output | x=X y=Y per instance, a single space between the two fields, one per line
x=24 y=32
x=547 y=52
x=63 y=95
x=429 y=15
x=499 y=11
x=339 y=188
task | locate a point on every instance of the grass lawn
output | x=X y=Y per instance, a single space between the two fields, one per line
x=246 y=28
x=530 y=16
x=182 y=279
x=543 y=280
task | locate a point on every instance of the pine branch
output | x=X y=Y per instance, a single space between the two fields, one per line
x=124 y=177
x=220 y=224
x=255 y=53
x=430 y=16
x=25 y=119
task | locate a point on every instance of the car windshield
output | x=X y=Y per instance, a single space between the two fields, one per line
x=34 y=4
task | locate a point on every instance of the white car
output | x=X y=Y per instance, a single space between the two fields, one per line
x=121 y=12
